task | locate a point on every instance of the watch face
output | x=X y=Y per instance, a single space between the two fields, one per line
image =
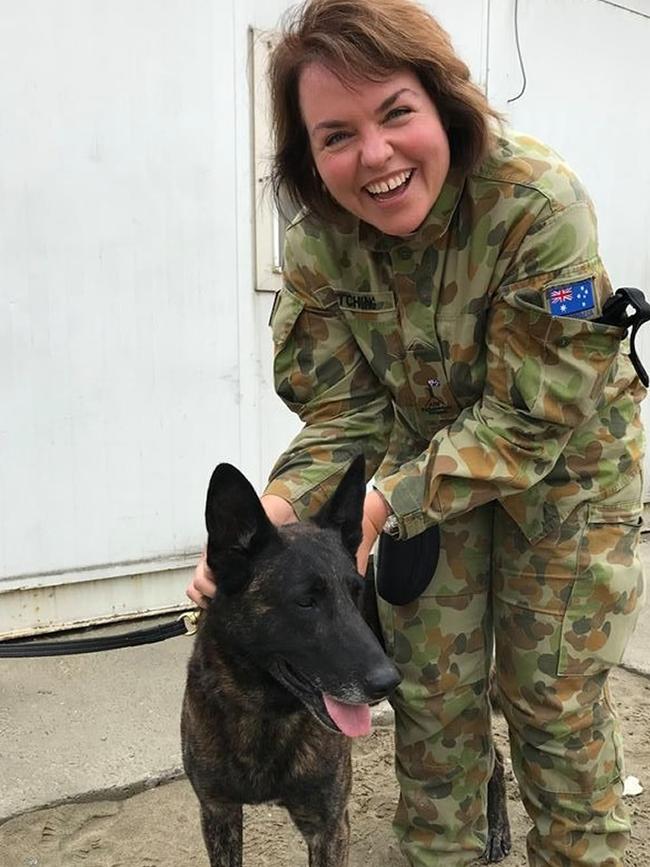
x=391 y=526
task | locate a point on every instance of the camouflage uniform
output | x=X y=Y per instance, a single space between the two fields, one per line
x=444 y=357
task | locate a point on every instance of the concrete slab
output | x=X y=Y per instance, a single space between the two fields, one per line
x=74 y=727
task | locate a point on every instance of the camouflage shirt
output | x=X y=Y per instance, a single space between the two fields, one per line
x=463 y=359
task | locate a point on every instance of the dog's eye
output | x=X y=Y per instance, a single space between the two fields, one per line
x=306 y=602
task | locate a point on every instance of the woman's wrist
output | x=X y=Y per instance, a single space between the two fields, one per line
x=376 y=510
x=278 y=511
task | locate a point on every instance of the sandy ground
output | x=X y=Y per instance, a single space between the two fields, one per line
x=159 y=828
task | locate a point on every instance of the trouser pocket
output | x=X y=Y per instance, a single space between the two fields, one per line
x=574 y=596
x=608 y=590
x=441 y=640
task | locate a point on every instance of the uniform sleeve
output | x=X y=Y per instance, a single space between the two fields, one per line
x=322 y=376
x=545 y=376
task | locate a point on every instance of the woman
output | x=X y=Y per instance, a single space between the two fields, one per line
x=439 y=314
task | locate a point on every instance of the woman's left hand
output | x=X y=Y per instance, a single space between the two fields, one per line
x=375 y=513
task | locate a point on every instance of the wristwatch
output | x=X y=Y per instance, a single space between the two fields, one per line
x=391 y=527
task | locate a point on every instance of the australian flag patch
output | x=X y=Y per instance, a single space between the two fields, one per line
x=572 y=299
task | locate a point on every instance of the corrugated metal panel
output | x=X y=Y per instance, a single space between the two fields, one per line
x=48 y=603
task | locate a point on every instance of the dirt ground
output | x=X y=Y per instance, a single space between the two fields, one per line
x=159 y=828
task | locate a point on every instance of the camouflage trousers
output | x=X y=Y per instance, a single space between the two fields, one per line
x=558 y=614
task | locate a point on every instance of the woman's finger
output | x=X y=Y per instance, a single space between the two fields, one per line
x=202 y=587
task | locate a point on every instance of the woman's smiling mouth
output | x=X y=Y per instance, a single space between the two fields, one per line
x=391 y=187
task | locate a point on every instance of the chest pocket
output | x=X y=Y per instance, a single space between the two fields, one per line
x=415 y=374
x=447 y=371
x=374 y=323
x=433 y=365
x=429 y=391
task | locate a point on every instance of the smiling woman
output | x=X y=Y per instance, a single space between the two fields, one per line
x=379 y=147
x=385 y=39
x=419 y=323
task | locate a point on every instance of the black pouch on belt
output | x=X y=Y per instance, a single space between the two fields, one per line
x=405 y=568
x=628 y=307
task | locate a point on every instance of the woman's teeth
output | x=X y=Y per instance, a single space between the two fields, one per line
x=389 y=185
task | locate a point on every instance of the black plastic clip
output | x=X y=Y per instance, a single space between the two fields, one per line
x=616 y=312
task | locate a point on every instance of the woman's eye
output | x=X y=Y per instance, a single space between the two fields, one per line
x=397 y=112
x=335 y=138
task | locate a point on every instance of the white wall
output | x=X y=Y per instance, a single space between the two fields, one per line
x=591 y=104
x=119 y=319
x=134 y=353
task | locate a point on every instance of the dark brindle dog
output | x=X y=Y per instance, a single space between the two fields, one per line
x=283 y=666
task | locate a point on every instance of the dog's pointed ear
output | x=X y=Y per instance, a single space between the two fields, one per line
x=237 y=525
x=345 y=509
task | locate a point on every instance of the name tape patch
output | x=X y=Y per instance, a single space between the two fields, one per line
x=365 y=302
x=573 y=299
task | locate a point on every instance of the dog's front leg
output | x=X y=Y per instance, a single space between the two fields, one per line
x=328 y=841
x=222 y=831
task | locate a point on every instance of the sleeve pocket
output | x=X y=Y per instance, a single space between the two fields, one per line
x=551 y=367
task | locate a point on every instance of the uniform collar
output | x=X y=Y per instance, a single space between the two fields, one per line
x=434 y=226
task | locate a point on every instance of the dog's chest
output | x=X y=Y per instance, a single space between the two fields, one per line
x=262 y=757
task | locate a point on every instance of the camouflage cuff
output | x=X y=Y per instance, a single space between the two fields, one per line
x=304 y=500
x=405 y=496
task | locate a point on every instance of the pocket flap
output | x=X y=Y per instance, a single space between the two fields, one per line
x=623 y=513
x=286 y=309
x=621 y=507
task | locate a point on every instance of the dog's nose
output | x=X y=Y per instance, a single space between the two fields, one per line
x=382 y=680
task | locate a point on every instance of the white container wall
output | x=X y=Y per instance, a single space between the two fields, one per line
x=134 y=351
x=120 y=339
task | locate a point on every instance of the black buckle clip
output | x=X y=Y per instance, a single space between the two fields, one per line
x=615 y=312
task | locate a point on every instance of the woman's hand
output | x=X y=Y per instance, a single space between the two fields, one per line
x=203 y=585
x=375 y=512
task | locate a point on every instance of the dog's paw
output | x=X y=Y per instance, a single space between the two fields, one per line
x=498 y=845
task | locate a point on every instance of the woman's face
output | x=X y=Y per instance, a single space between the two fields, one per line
x=379 y=146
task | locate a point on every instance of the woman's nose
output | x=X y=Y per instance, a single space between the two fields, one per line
x=376 y=150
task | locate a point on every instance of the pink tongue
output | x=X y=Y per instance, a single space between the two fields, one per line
x=352 y=719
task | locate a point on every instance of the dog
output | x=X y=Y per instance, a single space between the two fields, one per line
x=282 y=671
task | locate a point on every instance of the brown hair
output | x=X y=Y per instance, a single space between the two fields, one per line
x=368 y=39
